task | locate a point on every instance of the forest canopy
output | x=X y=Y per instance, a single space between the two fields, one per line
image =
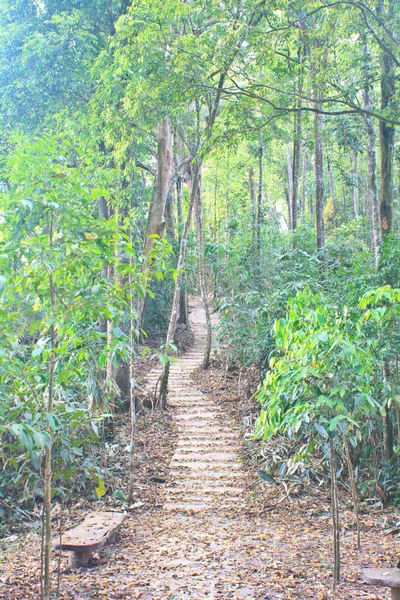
x=245 y=152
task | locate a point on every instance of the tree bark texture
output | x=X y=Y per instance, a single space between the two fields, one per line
x=178 y=282
x=202 y=270
x=319 y=184
x=259 y=201
x=373 y=200
x=252 y=195
x=335 y=515
x=157 y=212
x=304 y=183
x=289 y=198
x=296 y=165
x=386 y=131
x=356 y=203
x=332 y=189
x=132 y=402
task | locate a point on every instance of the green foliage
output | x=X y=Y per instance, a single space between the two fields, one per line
x=322 y=372
x=54 y=257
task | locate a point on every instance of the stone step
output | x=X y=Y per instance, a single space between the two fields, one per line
x=206 y=466
x=192 y=442
x=229 y=476
x=186 y=506
x=205 y=429
x=205 y=456
x=217 y=490
x=201 y=416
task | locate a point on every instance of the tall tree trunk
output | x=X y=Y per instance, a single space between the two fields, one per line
x=354 y=492
x=227 y=198
x=48 y=403
x=202 y=271
x=132 y=402
x=356 y=205
x=259 y=202
x=178 y=281
x=103 y=212
x=335 y=515
x=170 y=214
x=386 y=131
x=373 y=199
x=289 y=198
x=157 y=212
x=304 y=184
x=253 y=203
x=387 y=423
x=296 y=164
x=183 y=300
x=319 y=184
x=179 y=198
x=216 y=189
x=332 y=189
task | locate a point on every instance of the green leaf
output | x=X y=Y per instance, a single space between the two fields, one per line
x=101 y=488
x=267 y=477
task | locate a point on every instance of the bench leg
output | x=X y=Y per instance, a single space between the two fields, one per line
x=79 y=558
x=395 y=593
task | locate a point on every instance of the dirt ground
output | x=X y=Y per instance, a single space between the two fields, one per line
x=204 y=525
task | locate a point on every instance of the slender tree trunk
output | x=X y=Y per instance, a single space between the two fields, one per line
x=304 y=184
x=178 y=281
x=387 y=423
x=335 y=515
x=319 y=184
x=259 y=202
x=202 y=271
x=179 y=198
x=170 y=215
x=157 y=212
x=354 y=492
x=296 y=165
x=332 y=189
x=289 y=197
x=216 y=189
x=46 y=587
x=253 y=203
x=183 y=300
x=132 y=403
x=356 y=206
x=386 y=131
x=103 y=214
x=373 y=199
x=227 y=198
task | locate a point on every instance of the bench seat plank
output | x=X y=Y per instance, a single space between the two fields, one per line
x=97 y=529
x=382 y=577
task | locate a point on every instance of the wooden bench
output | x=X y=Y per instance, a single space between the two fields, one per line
x=384 y=578
x=97 y=530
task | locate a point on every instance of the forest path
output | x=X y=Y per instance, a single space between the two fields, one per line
x=205 y=469
x=201 y=545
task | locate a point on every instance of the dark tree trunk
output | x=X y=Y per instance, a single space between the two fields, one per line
x=259 y=201
x=319 y=184
x=289 y=193
x=332 y=189
x=356 y=203
x=386 y=131
x=253 y=203
x=157 y=212
x=202 y=270
x=296 y=167
x=304 y=184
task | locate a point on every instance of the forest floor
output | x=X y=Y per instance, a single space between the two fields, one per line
x=204 y=525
